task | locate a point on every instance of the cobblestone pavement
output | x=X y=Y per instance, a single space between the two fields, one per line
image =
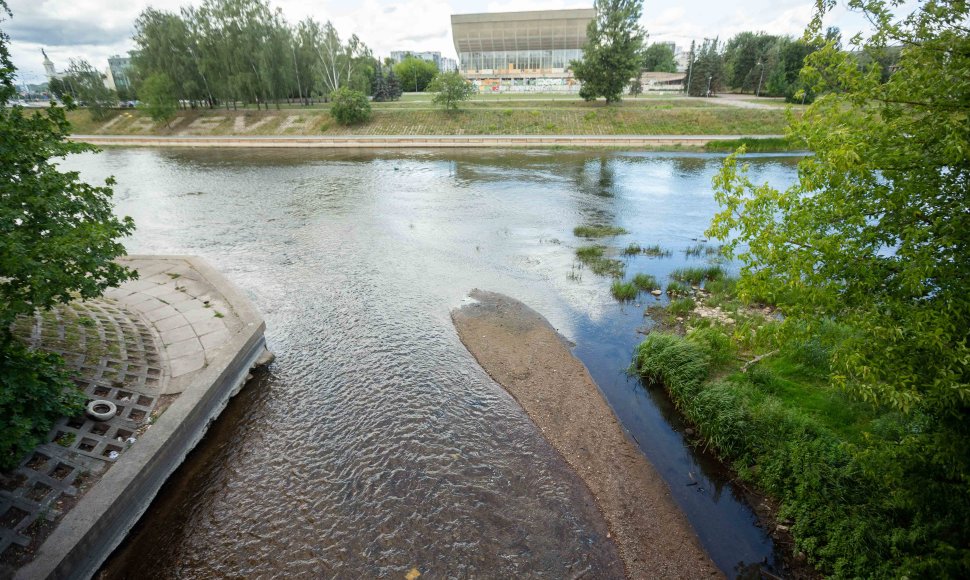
x=136 y=347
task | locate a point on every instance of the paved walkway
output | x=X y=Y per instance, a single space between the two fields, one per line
x=414 y=141
x=138 y=347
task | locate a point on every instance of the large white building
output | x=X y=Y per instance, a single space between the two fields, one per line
x=521 y=51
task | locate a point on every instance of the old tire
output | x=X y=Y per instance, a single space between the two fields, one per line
x=101 y=410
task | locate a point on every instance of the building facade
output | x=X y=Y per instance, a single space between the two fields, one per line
x=521 y=51
x=119 y=71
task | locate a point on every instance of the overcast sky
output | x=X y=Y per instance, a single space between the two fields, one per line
x=96 y=29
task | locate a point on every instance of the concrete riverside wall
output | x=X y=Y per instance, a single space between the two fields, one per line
x=97 y=525
x=415 y=141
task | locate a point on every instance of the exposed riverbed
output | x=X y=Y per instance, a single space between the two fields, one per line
x=376 y=444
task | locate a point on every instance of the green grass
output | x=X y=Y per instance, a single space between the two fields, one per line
x=624 y=291
x=632 y=250
x=696 y=275
x=701 y=250
x=656 y=251
x=675 y=288
x=645 y=282
x=532 y=117
x=597 y=231
x=594 y=258
x=681 y=306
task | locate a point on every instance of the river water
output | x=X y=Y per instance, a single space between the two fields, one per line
x=375 y=444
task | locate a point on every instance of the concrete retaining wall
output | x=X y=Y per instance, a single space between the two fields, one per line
x=415 y=141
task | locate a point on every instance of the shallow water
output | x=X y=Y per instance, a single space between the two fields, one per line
x=375 y=443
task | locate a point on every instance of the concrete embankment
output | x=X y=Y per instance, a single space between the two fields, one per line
x=520 y=350
x=209 y=337
x=416 y=141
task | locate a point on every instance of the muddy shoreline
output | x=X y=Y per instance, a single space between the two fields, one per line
x=521 y=351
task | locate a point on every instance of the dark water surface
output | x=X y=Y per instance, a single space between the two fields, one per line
x=375 y=443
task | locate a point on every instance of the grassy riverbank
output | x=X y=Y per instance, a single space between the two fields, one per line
x=856 y=503
x=537 y=116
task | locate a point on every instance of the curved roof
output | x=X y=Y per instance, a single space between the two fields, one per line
x=536 y=30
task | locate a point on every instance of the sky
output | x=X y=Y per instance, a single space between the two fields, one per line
x=96 y=29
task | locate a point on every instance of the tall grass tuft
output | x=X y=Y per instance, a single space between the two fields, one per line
x=645 y=282
x=597 y=231
x=624 y=291
x=656 y=251
x=696 y=275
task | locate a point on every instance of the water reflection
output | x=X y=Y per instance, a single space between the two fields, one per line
x=377 y=444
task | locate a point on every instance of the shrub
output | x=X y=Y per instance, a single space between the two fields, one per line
x=450 y=90
x=349 y=107
x=36 y=391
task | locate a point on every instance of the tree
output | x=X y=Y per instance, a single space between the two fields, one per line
x=379 y=87
x=636 y=87
x=159 y=97
x=659 y=57
x=349 y=107
x=87 y=85
x=58 y=242
x=746 y=57
x=57 y=88
x=612 y=54
x=875 y=236
x=394 y=90
x=415 y=74
x=450 y=90
x=707 y=72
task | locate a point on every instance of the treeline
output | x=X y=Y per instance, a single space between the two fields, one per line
x=243 y=52
x=766 y=64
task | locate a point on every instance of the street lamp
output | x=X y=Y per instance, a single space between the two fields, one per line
x=762 y=65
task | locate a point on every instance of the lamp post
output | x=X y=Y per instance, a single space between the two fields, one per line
x=762 y=65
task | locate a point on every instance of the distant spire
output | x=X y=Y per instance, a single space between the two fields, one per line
x=48 y=65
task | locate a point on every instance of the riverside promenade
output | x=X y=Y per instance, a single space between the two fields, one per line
x=167 y=350
x=414 y=141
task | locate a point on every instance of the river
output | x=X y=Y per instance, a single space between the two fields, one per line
x=375 y=444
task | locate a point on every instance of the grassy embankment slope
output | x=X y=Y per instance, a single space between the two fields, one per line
x=535 y=115
x=781 y=425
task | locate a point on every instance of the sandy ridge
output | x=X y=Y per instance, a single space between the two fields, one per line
x=521 y=351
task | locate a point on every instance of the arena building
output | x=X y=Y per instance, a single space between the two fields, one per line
x=520 y=51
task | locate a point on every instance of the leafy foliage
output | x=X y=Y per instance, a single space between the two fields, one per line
x=58 y=242
x=159 y=96
x=875 y=232
x=706 y=72
x=230 y=51
x=659 y=57
x=86 y=84
x=349 y=107
x=450 y=90
x=415 y=74
x=35 y=391
x=612 y=54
